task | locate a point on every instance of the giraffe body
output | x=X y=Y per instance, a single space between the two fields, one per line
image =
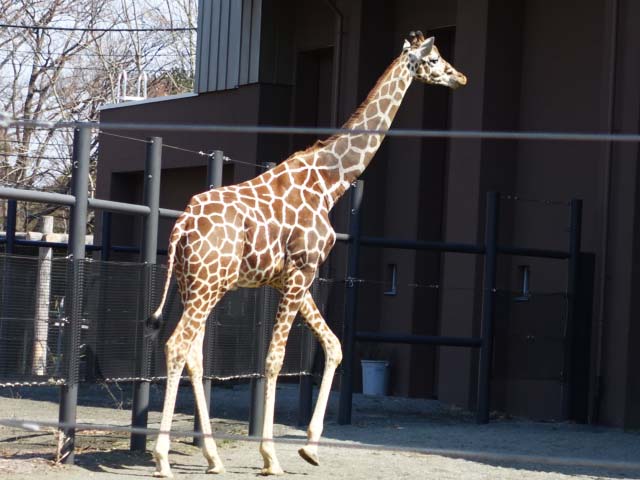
x=275 y=230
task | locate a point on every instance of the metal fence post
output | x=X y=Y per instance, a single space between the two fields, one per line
x=12 y=215
x=351 y=299
x=305 y=400
x=214 y=180
x=105 y=242
x=10 y=227
x=215 y=165
x=76 y=250
x=258 y=385
x=488 y=306
x=43 y=295
x=149 y=251
x=573 y=264
x=305 y=388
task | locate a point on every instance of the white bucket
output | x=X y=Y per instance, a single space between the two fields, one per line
x=375 y=377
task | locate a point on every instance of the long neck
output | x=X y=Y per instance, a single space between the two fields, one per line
x=344 y=157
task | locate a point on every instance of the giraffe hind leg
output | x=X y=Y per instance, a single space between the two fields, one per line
x=184 y=344
x=194 y=365
x=175 y=365
x=333 y=357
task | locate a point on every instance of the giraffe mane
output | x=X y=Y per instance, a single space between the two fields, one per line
x=357 y=113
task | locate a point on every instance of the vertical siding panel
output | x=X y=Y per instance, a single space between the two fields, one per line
x=214 y=46
x=228 y=49
x=203 y=44
x=245 y=42
x=233 y=62
x=254 y=60
x=223 y=54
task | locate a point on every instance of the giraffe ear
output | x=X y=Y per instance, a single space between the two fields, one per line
x=406 y=45
x=427 y=45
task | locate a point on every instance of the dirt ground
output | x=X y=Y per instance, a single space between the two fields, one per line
x=380 y=444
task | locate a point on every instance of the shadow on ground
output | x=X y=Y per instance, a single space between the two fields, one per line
x=397 y=424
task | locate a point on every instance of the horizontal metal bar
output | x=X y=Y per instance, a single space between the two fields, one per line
x=69 y=200
x=134 y=209
x=167 y=213
x=41 y=243
x=125 y=248
x=44 y=244
x=533 y=252
x=419 y=339
x=452 y=247
x=422 y=245
x=119 y=207
x=282 y=130
x=413 y=244
x=37 y=196
x=132 y=249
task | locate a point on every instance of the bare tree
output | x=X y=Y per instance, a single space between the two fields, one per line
x=65 y=64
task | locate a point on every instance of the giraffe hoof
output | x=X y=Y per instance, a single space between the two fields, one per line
x=272 y=471
x=216 y=469
x=309 y=456
x=163 y=474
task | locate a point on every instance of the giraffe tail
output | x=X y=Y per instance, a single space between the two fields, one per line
x=156 y=321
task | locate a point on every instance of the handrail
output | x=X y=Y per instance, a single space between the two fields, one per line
x=95 y=203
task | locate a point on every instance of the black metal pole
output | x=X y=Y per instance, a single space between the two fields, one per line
x=149 y=250
x=105 y=255
x=573 y=265
x=10 y=228
x=351 y=299
x=215 y=165
x=73 y=303
x=12 y=216
x=258 y=384
x=305 y=400
x=105 y=242
x=488 y=306
x=305 y=388
x=214 y=180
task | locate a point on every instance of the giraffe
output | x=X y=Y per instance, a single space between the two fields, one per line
x=275 y=230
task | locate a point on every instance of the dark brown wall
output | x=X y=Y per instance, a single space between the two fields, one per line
x=183 y=172
x=619 y=383
x=526 y=72
x=399 y=177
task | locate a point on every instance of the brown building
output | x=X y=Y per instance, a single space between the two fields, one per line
x=533 y=65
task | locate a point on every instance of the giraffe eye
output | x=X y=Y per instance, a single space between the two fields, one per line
x=433 y=61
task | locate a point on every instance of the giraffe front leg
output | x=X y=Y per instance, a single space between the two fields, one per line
x=333 y=357
x=267 y=448
x=287 y=310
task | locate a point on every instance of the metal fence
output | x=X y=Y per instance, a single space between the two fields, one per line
x=103 y=300
x=35 y=321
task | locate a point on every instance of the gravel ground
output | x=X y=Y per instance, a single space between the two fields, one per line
x=381 y=442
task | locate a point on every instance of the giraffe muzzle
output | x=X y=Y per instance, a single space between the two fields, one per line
x=458 y=80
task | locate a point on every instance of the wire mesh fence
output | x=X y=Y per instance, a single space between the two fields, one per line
x=34 y=321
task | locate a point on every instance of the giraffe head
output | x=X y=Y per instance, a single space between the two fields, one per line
x=426 y=65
